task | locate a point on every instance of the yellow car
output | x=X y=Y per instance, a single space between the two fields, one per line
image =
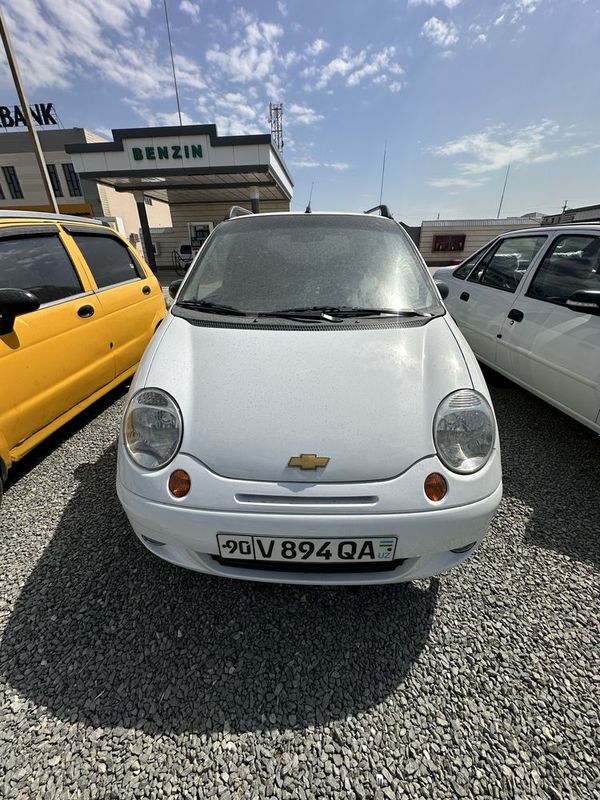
x=77 y=308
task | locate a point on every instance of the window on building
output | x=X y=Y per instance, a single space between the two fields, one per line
x=14 y=187
x=72 y=179
x=572 y=264
x=109 y=259
x=39 y=264
x=504 y=266
x=2 y=195
x=147 y=200
x=55 y=180
x=449 y=244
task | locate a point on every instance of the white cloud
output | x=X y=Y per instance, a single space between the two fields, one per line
x=339 y=166
x=448 y=3
x=190 y=8
x=303 y=114
x=237 y=105
x=282 y=8
x=442 y=34
x=378 y=63
x=499 y=20
x=522 y=8
x=494 y=147
x=355 y=67
x=317 y=47
x=58 y=41
x=458 y=183
x=152 y=117
x=481 y=38
x=255 y=57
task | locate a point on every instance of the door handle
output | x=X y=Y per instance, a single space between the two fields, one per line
x=465 y=296
x=515 y=315
x=146 y=290
x=86 y=311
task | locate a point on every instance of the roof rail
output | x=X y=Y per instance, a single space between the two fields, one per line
x=12 y=214
x=237 y=211
x=383 y=211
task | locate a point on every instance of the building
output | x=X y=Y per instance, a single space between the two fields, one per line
x=449 y=241
x=198 y=173
x=569 y=215
x=21 y=186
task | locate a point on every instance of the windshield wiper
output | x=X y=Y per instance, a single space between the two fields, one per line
x=339 y=312
x=304 y=312
x=211 y=308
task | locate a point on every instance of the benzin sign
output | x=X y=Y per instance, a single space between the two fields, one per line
x=13 y=117
x=166 y=152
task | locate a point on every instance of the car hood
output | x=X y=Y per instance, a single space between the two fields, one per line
x=365 y=398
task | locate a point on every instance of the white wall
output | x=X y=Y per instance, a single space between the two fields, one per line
x=476 y=232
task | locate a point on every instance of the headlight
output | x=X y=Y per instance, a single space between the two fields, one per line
x=464 y=431
x=152 y=428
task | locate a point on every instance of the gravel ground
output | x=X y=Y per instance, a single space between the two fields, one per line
x=124 y=677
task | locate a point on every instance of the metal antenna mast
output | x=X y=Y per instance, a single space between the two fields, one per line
x=382 y=172
x=172 y=61
x=276 y=121
x=503 y=190
x=37 y=148
x=308 y=207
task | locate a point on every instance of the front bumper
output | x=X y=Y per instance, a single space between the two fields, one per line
x=188 y=536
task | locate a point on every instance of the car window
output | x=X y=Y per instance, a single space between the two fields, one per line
x=109 y=259
x=465 y=268
x=503 y=267
x=39 y=264
x=272 y=263
x=571 y=264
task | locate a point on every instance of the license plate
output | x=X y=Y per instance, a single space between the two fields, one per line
x=311 y=551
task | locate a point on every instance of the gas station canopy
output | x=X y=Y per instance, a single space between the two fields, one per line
x=186 y=164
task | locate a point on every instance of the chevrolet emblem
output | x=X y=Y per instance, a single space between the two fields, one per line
x=308 y=461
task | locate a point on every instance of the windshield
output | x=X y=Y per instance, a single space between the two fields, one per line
x=270 y=264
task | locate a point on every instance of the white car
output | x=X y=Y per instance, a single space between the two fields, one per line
x=528 y=303
x=308 y=412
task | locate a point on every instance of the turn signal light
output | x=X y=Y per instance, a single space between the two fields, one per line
x=179 y=483
x=435 y=487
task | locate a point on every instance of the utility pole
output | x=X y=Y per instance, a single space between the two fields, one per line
x=10 y=57
x=564 y=208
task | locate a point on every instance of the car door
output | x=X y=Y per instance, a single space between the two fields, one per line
x=454 y=278
x=489 y=291
x=548 y=347
x=128 y=297
x=59 y=355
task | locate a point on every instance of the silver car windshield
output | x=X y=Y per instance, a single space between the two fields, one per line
x=268 y=264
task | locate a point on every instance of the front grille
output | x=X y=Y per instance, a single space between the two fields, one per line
x=283 y=566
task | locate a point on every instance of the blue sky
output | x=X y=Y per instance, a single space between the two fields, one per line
x=456 y=87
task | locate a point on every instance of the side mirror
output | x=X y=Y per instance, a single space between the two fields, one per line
x=174 y=288
x=14 y=302
x=585 y=300
x=442 y=289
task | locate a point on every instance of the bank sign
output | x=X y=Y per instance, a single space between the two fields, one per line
x=13 y=117
x=171 y=152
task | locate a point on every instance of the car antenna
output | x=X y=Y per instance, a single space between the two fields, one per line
x=308 y=209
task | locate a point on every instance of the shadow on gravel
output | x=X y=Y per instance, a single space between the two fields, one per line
x=106 y=634
x=550 y=463
x=39 y=453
